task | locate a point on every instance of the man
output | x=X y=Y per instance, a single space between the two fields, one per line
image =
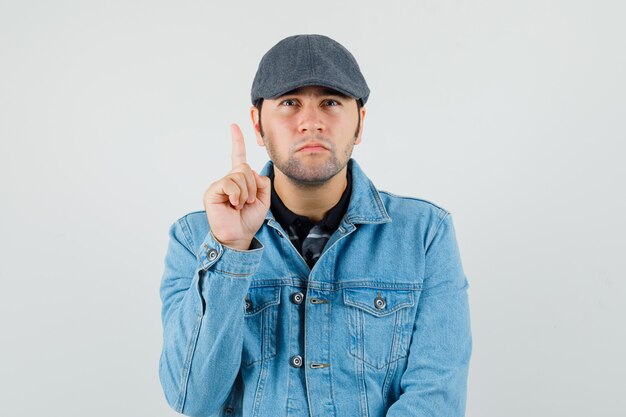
x=302 y=290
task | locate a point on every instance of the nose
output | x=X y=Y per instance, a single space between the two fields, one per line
x=311 y=120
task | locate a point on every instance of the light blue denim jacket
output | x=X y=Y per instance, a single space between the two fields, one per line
x=383 y=329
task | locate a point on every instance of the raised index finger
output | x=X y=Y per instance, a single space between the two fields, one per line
x=239 y=147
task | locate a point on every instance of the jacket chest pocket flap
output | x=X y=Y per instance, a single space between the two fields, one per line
x=380 y=322
x=260 y=324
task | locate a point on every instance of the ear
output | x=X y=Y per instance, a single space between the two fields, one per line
x=254 y=115
x=358 y=136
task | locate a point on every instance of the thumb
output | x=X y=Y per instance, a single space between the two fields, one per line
x=263 y=187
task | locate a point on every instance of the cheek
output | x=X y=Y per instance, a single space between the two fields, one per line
x=349 y=124
x=278 y=124
x=286 y=124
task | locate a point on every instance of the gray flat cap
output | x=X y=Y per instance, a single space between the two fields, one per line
x=304 y=60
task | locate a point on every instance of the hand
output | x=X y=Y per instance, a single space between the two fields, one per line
x=236 y=205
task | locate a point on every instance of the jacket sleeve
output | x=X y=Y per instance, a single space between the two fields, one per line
x=202 y=293
x=435 y=380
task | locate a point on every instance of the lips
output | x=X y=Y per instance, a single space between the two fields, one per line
x=313 y=146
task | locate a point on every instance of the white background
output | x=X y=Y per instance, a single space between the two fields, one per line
x=114 y=119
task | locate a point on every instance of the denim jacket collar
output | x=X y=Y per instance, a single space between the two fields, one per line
x=365 y=205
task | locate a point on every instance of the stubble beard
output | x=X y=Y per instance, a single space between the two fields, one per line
x=313 y=175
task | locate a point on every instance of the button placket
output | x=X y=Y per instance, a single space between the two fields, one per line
x=297 y=298
x=296 y=361
x=315 y=365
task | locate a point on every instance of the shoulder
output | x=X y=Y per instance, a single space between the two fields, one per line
x=400 y=204
x=418 y=214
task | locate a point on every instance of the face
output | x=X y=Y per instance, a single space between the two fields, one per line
x=309 y=133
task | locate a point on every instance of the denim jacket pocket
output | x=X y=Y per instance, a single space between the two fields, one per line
x=380 y=322
x=260 y=324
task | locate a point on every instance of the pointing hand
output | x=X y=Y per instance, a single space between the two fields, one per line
x=236 y=204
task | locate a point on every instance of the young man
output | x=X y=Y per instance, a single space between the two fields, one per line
x=302 y=290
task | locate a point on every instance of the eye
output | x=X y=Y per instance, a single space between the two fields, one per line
x=331 y=103
x=289 y=102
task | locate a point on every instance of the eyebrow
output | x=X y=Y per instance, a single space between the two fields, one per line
x=325 y=92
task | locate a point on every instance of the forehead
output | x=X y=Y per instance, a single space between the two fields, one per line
x=315 y=90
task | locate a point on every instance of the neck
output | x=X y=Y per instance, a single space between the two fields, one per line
x=310 y=201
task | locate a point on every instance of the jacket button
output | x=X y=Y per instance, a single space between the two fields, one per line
x=297 y=297
x=212 y=254
x=380 y=303
x=248 y=305
x=296 y=361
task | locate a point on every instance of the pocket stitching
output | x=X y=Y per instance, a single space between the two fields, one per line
x=270 y=315
x=395 y=347
x=373 y=311
x=275 y=300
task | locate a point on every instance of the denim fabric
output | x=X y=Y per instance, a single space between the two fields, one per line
x=383 y=329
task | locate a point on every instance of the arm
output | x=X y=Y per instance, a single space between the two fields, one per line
x=203 y=317
x=203 y=289
x=434 y=383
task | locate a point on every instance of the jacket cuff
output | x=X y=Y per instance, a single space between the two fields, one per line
x=216 y=256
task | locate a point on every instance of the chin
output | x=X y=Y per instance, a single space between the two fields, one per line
x=309 y=181
x=310 y=169
x=313 y=177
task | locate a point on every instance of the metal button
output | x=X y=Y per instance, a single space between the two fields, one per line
x=380 y=303
x=296 y=361
x=297 y=297
x=248 y=305
x=212 y=254
x=279 y=233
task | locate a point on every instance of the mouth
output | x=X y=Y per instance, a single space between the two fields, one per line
x=313 y=147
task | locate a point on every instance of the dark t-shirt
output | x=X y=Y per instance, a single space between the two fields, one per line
x=307 y=237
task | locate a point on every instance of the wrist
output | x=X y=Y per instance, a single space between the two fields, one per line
x=234 y=261
x=241 y=245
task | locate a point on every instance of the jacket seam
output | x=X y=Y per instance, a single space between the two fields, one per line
x=187 y=233
x=431 y=236
x=187 y=365
x=232 y=273
x=330 y=376
x=423 y=200
x=453 y=291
